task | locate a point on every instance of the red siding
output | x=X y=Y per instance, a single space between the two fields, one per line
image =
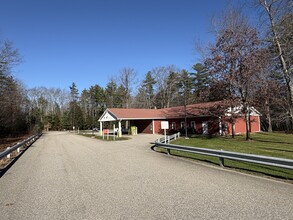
x=213 y=124
x=146 y=126
x=240 y=125
x=255 y=124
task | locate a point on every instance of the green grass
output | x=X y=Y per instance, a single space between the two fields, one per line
x=267 y=144
x=111 y=138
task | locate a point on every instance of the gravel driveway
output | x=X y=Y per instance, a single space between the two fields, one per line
x=66 y=176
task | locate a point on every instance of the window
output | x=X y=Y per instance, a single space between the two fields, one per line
x=182 y=124
x=192 y=124
x=205 y=127
x=173 y=125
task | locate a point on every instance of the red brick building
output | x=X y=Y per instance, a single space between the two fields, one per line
x=201 y=118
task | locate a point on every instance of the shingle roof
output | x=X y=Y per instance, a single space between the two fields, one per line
x=200 y=109
x=132 y=113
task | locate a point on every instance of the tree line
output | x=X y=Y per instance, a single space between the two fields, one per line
x=243 y=67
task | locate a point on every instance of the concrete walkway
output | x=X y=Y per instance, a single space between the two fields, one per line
x=66 y=176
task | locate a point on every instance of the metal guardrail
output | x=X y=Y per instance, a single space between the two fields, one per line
x=221 y=154
x=17 y=146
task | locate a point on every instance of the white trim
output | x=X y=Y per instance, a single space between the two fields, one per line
x=194 y=124
x=133 y=119
x=119 y=129
x=173 y=125
x=205 y=129
x=153 y=124
x=220 y=126
x=182 y=122
x=238 y=109
x=108 y=114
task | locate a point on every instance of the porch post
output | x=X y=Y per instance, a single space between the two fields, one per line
x=220 y=126
x=101 y=128
x=119 y=129
x=153 y=124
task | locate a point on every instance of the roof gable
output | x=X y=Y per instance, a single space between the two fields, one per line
x=108 y=116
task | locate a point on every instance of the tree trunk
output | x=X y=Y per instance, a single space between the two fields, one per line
x=185 y=117
x=233 y=129
x=285 y=69
x=247 y=122
x=269 y=119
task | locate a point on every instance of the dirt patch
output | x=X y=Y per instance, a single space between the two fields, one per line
x=8 y=142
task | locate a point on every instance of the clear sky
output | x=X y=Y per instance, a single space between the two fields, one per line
x=88 y=41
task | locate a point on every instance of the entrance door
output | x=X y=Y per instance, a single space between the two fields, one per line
x=205 y=127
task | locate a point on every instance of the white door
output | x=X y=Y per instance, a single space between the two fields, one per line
x=205 y=127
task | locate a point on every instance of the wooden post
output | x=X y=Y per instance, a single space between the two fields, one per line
x=119 y=129
x=114 y=132
x=101 y=129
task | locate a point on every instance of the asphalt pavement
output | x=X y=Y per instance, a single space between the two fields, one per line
x=67 y=176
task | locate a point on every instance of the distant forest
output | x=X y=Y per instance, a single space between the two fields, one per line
x=245 y=66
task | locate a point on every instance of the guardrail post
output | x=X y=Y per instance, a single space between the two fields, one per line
x=18 y=149
x=8 y=155
x=221 y=161
x=168 y=139
x=169 y=151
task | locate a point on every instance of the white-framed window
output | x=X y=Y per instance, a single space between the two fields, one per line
x=192 y=124
x=205 y=127
x=173 y=126
x=182 y=124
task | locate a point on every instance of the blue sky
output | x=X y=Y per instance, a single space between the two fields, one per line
x=89 y=41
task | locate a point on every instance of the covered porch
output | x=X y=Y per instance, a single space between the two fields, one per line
x=122 y=123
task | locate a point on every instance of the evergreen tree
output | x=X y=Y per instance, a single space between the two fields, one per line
x=145 y=96
x=73 y=106
x=111 y=94
x=98 y=102
x=185 y=90
x=201 y=82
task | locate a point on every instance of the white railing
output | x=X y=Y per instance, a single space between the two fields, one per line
x=167 y=139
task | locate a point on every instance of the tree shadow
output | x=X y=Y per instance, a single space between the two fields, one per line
x=274 y=142
x=262 y=172
x=276 y=149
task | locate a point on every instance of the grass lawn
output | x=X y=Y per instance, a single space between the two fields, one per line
x=267 y=144
x=105 y=138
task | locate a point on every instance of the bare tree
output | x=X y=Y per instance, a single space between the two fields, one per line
x=166 y=88
x=13 y=104
x=236 y=59
x=127 y=80
x=280 y=15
